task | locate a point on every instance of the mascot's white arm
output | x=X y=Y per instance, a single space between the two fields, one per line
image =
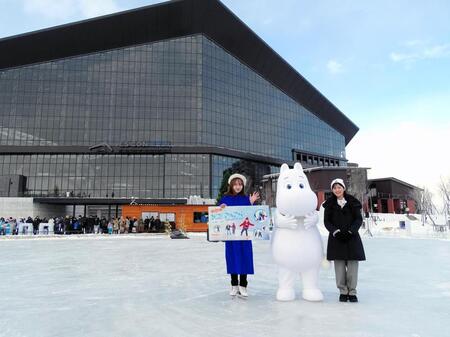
x=290 y=222
x=311 y=219
x=285 y=221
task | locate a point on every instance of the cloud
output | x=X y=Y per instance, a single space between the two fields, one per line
x=403 y=151
x=414 y=43
x=409 y=151
x=334 y=67
x=397 y=57
x=437 y=51
x=65 y=9
x=417 y=51
x=267 y=21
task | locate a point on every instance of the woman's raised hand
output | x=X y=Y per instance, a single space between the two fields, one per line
x=254 y=197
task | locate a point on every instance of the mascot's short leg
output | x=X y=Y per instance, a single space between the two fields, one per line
x=311 y=291
x=286 y=290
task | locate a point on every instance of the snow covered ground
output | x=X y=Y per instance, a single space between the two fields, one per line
x=388 y=225
x=154 y=286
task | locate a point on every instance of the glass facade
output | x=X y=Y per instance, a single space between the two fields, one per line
x=186 y=174
x=244 y=111
x=148 y=93
x=223 y=167
x=100 y=175
x=184 y=91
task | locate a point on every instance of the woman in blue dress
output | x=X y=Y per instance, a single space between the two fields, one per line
x=238 y=254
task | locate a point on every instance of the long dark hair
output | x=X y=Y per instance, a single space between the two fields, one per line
x=230 y=188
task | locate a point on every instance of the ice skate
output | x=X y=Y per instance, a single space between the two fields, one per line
x=234 y=290
x=243 y=291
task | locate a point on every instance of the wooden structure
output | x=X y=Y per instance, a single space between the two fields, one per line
x=191 y=218
x=391 y=195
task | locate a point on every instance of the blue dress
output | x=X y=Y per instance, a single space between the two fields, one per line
x=238 y=254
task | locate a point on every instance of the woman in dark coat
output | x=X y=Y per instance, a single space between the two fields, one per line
x=342 y=218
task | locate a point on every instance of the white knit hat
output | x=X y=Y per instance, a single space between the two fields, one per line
x=237 y=175
x=337 y=181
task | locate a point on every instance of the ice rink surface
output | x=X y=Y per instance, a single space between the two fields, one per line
x=154 y=286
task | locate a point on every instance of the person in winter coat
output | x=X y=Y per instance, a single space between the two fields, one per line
x=104 y=225
x=245 y=226
x=36 y=223
x=342 y=219
x=110 y=227
x=238 y=254
x=123 y=225
x=116 y=226
x=140 y=226
x=158 y=224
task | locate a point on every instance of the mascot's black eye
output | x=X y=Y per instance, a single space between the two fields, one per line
x=288 y=186
x=301 y=185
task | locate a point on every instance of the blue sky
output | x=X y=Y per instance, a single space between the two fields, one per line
x=384 y=64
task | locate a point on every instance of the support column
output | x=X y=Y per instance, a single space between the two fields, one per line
x=397 y=207
x=411 y=205
x=379 y=206
x=320 y=198
x=390 y=205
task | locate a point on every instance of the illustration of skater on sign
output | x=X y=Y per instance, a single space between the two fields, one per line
x=239 y=223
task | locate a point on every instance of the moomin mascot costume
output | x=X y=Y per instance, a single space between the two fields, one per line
x=296 y=243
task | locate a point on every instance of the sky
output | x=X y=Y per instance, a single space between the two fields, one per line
x=385 y=64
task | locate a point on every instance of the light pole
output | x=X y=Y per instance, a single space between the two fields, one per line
x=9 y=186
x=372 y=191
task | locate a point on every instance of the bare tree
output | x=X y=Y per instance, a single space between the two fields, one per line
x=357 y=184
x=444 y=188
x=425 y=204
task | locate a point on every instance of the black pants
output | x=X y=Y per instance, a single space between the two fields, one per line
x=242 y=280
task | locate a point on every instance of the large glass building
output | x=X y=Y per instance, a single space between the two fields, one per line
x=159 y=103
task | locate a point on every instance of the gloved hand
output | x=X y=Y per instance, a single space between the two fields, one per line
x=311 y=219
x=341 y=236
x=285 y=221
x=347 y=235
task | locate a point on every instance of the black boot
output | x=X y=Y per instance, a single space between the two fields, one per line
x=353 y=298
x=343 y=298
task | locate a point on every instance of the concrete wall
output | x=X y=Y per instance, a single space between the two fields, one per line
x=49 y=211
x=24 y=207
x=16 y=207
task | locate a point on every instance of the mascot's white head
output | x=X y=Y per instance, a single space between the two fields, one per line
x=294 y=195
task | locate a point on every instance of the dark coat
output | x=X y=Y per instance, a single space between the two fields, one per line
x=345 y=219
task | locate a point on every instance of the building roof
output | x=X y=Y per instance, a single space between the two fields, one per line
x=171 y=20
x=107 y=201
x=394 y=179
x=318 y=169
x=334 y=168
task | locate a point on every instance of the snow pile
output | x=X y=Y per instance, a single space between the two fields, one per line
x=399 y=225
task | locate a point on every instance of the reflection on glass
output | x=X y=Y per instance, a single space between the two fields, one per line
x=184 y=91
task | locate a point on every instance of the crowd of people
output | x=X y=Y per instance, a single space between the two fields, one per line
x=81 y=225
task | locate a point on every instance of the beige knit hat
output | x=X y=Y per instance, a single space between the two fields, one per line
x=237 y=175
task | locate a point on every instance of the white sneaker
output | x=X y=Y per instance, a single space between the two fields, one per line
x=234 y=290
x=243 y=291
